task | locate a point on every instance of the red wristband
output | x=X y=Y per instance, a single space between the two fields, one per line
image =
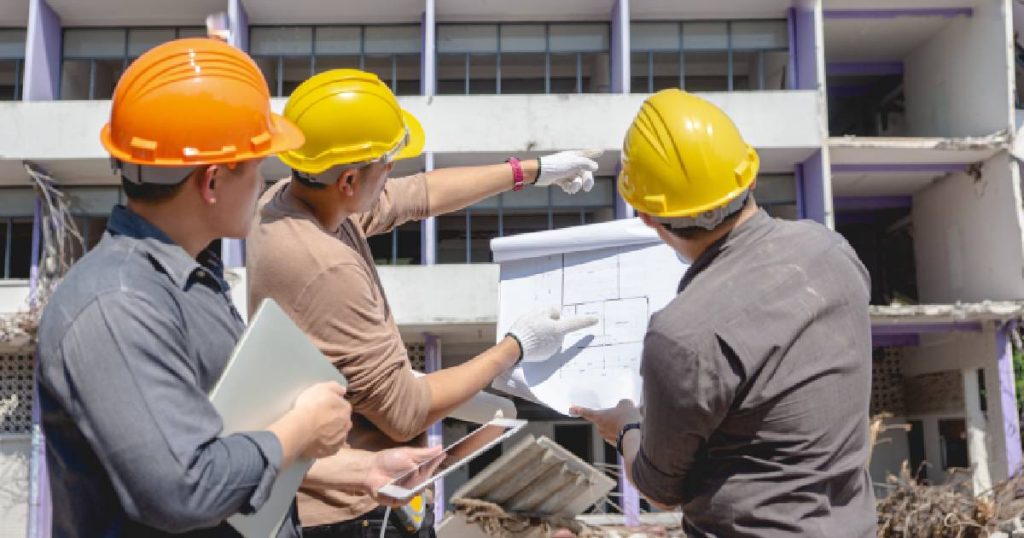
x=517 y=174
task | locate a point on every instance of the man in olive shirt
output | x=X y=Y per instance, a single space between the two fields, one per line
x=757 y=375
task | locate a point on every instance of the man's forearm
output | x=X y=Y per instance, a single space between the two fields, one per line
x=451 y=387
x=630 y=451
x=345 y=470
x=451 y=189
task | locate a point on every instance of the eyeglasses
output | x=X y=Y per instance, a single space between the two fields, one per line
x=331 y=174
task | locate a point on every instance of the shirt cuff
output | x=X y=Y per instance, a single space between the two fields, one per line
x=270 y=447
x=655 y=484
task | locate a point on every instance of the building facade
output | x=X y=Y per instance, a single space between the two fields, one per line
x=890 y=121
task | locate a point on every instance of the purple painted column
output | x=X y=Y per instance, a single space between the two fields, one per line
x=232 y=251
x=620 y=82
x=42 y=53
x=798 y=174
x=428 y=227
x=630 y=498
x=791 y=78
x=1008 y=400
x=803 y=44
x=432 y=350
x=40 y=508
x=811 y=189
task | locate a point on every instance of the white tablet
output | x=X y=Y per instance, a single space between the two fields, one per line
x=453 y=457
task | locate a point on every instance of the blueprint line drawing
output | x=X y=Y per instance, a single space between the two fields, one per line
x=618 y=272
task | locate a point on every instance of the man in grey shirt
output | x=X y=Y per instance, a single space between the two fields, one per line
x=757 y=375
x=141 y=328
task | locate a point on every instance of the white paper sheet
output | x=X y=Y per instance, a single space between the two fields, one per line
x=619 y=272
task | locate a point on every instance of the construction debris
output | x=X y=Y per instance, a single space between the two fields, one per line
x=947 y=313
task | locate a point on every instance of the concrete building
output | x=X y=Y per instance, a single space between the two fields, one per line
x=891 y=121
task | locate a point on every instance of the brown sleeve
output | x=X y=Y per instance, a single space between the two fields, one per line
x=345 y=316
x=403 y=199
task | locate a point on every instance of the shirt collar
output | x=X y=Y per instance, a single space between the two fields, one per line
x=742 y=235
x=168 y=255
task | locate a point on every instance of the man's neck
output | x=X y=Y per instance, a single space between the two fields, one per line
x=326 y=211
x=699 y=246
x=177 y=221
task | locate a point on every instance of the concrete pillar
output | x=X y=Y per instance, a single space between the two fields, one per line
x=428 y=60
x=1006 y=400
x=42 y=53
x=620 y=47
x=232 y=251
x=435 y=434
x=976 y=428
x=815 y=190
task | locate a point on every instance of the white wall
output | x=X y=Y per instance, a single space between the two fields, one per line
x=958 y=83
x=13 y=296
x=14 y=469
x=968 y=241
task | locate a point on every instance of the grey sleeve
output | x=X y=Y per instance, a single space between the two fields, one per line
x=686 y=396
x=135 y=397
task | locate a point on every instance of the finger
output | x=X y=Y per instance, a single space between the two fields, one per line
x=551 y=312
x=591 y=153
x=582 y=412
x=572 y=186
x=420 y=455
x=336 y=388
x=588 y=181
x=576 y=323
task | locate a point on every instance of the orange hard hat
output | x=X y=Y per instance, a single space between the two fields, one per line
x=194 y=101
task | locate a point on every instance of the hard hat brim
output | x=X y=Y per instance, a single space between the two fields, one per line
x=417 y=137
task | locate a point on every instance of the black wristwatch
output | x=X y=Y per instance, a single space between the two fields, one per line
x=622 y=433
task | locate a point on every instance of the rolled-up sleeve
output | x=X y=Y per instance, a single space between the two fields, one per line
x=687 y=393
x=136 y=398
x=403 y=199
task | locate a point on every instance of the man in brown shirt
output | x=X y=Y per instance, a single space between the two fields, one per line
x=757 y=376
x=308 y=252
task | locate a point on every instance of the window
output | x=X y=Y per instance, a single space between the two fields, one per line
x=522 y=58
x=12 y=63
x=465 y=236
x=403 y=246
x=93 y=59
x=91 y=207
x=16 y=208
x=953 y=444
x=709 y=55
x=288 y=55
x=776 y=193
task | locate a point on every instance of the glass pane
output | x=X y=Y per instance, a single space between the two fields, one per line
x=483 y=73
x=760 y=35
x=530 y=197
x=666 y=70
x=21 y=248
x=522 y=38
x=451 y=74
x=776 y=189
x=484 y=228
x=382 y=67
x=579 y=37
x=94 y=43
x=337 y=40
x=596 y=71
x=467 y=38
x=747 y=71
x=563 y=73
x=776 y=65
x=705 y=36
x=518 y=223
x=281 y=40
x=522 y=73
x=451 y=238
x=638 y=71
x=106 y=73
x=142 y=39
x=706 y=71
x=192 y=31
x=3 y=248
x=410 y=244
x=16 y=202
x=74 y=79
x=269 y=68
x=296 y=71
x=328 y=62
x=11 y=74
x=12 y=43
x=654 y=36
x=393 y=39
x=409 y=68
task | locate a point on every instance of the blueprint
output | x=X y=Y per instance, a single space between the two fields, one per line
x=619 y=272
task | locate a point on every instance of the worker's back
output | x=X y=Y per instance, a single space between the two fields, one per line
x=779 y=311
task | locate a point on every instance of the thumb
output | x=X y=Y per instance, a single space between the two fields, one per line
x=420 y=455
x=576 y=323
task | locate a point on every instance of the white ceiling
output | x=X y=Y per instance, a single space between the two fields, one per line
x=908 y=151
x=13 y=12
x=878 y=40
x=135 y=12
x=895 y=4
x=878 y=184
x=333 y=11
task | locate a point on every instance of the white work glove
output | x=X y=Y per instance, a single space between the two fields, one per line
x=571 y=170
x=540 y=332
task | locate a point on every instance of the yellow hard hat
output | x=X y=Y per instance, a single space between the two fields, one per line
x=349 y=117
x=683 y=156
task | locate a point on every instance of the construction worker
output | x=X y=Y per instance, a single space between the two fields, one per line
x=139 y=331
x=308 y=252
x=757 y=375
